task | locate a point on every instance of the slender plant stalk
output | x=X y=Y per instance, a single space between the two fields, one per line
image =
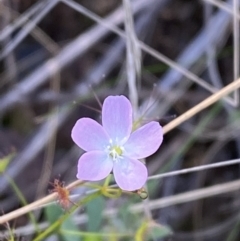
x=23 y=201
x=57 y=223
x=201 y=106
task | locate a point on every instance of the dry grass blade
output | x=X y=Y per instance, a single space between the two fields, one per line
x=75 y=49
x=136 y=208
x=195 y=169
x=203 y=105
x=190 y=196
x=236 y=40
x=27 y=29
x=223 y=5
x=6 y=32
x=133 y=56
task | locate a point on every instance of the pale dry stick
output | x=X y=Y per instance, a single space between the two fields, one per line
x=68 y=54
x=236 y=48
x=6 y=32
x=50 y=151
x=218 y=189
x=155 y=204
x=138 y=208
x=147 y=48
x=113 y=55
x=188 y=74
x=27 y=28
x=211 y=52
x=236 y=17
x=169 y=200
x=10 y=61
x=201 y=193
x=201 y=106
x=195 y=169
x=39 y=35
x=53 y=49
x=224 y=6
x=34 y=205
x=133 y=63
x=189 y=196
x=216 y=31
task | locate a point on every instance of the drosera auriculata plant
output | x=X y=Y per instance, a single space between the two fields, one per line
x=113 y=147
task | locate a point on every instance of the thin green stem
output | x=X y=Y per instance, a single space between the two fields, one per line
x=107 y=180
x=57 y=223
x=23 y=201
x=95 y=235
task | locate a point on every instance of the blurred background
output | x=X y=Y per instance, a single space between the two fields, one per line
x=58 y=57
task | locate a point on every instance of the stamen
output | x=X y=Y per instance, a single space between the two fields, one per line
x=115 y=152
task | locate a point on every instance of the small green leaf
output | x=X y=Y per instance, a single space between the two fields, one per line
x=5 y=161
x=69 y=225
x=129 y=219
x=150 y=230
x=94 y=211
x=159 y=231
x=90 y=238
x=53 y=213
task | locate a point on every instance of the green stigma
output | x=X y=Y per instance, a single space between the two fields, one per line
x=116 y=151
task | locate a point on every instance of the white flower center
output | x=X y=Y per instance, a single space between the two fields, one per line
x=115 y=151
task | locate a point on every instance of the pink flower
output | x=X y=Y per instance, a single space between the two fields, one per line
x=112 y=146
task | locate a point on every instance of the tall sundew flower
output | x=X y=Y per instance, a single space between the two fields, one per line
x=112 y=147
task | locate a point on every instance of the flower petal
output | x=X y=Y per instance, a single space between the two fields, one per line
x=89 y=135
x=94 y=166
x=130 y=174
x=117 y=117
x=144 y=141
